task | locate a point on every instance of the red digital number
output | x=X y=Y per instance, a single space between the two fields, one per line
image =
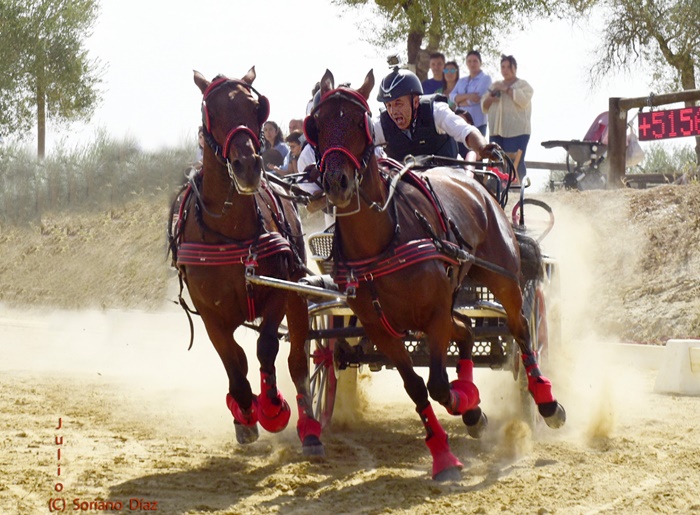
x=686 y=115
x=672 y=123
x=659 y=127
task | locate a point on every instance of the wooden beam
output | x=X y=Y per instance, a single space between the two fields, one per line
x=542 y=165
x=690 y=95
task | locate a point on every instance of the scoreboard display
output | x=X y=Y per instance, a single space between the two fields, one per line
x=671 y=123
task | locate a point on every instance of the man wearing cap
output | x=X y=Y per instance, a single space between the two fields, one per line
x=414 y=123
x=418 y=124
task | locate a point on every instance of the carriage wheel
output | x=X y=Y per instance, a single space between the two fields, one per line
x=323 y=377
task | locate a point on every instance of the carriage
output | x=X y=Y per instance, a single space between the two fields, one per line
x=337 y=341
x=238 y=247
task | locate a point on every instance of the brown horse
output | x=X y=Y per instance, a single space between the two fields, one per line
x=404 y=260
x=232 y=222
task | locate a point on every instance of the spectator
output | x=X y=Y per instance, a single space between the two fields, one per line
x=273 y=139
x=272 y=159
x=509 y=106
x=297 y=124
x=290 y=161
x=451 y=75
x=469 y=90
x=437 y=65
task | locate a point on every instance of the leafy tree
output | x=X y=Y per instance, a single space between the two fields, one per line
x=450 y=26
x=45 y=71
x=661 y=35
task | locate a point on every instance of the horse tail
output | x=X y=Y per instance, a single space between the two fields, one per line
x=530 y=258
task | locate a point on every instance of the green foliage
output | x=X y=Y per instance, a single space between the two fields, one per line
x=103 y=174
x=43 y=63
x=660 y=158
x=450 y=26
x=664 y=35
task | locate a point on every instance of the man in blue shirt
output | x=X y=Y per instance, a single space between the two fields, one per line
x=469 y=90
x=437 y=67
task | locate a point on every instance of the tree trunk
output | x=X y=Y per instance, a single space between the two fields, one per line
x=416 y=61
x=41 y=122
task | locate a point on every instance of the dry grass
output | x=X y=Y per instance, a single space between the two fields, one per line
x=633 y=252
x=109 y=259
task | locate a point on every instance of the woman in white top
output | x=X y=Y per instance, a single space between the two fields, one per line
x=509 y=106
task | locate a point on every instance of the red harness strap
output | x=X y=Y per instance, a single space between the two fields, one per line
x=350 y=273
x=246 y=253
x=239 y=253
x=405 y=255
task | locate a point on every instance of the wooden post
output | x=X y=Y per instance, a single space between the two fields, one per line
x=617 y=127
x=617 y=143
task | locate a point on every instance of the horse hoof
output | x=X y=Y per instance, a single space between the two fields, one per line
x=278 y=422
x=554 y=416
x=245 y=434
x=312 y=447
x=449 y=474
x=476 y=422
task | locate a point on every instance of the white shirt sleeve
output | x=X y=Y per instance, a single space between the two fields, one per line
x=306 y=158
x=447 y=122
x=379 y=138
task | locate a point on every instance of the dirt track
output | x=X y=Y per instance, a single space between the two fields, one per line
x=142 y=418
x=144 y=421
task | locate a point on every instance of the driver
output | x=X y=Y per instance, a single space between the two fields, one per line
x=418 y=124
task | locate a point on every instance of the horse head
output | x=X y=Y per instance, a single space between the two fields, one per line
x=231 y=119
x=340 y=127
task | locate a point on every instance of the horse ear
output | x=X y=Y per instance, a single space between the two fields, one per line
x=249 y=77
x=367 y=86
x=327 y=83
x=200 y=81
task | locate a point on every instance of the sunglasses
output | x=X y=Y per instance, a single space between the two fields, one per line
x=450 y=70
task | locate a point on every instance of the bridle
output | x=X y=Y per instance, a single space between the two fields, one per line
x=221 y=152
x=311 y=129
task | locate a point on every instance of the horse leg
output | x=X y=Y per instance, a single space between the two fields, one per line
x=540 y=387
x=446 y=466
x=308 y=428
x=475 y=419
x=273 y=410
x=239 y=399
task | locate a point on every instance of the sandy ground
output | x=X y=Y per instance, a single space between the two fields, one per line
x=144 y=421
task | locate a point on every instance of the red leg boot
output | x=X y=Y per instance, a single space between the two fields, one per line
x=446 y=466
x=273 y=410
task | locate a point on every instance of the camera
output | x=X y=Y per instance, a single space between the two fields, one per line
x=393 y=60
x=495 y=93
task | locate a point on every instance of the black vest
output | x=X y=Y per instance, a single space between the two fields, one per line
x=425 y=141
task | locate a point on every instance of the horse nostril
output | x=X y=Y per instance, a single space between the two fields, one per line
x=344 y=182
